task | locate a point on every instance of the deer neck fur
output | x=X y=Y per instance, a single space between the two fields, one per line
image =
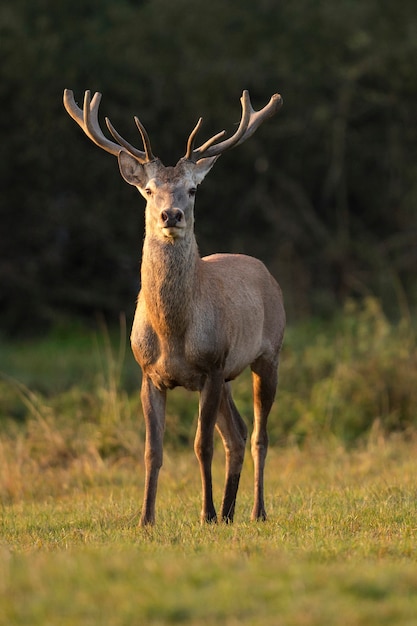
x=169 y=277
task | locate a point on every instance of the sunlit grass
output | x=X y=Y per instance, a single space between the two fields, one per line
x=324 y=502
x=340 y=542
x=339 y=545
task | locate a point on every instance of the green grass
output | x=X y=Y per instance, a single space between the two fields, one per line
x=339 y=546
x=133 y=588
x=340 y=543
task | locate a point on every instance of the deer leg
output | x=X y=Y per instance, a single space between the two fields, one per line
x=233 y=432
x=153 y=405
x=203 y=444
x=264 y=378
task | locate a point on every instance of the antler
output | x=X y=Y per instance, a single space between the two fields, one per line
x=87 y=118
x=248 y=124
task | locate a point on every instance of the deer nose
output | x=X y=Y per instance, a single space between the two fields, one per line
x=172 y=217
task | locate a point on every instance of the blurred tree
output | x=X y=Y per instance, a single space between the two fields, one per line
x=325 y=193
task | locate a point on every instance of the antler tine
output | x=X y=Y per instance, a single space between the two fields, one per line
x=145 y=139
x=87 y=119
x=257 y=117
x=71 y=107
x=192 y=154
x=191 y=139
x=94 y=132
x=249 y=122
x=138 y=154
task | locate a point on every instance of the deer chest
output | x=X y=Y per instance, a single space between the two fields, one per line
x=173 y=360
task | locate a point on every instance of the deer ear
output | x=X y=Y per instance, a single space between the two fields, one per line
x=202 y=168
x=131 y=170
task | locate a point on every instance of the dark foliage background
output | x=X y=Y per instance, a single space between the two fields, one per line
x=325 y=193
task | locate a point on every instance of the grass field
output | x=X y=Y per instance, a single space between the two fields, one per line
x=339 y=546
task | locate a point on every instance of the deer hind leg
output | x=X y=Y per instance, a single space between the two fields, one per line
x=265 y=379
x=203 y=445
x=233 y=432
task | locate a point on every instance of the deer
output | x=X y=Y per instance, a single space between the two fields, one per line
x=199 y=321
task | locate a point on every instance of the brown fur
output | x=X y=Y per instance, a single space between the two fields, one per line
x=199 y=323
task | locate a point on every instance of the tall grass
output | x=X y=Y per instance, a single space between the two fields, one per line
x=73 y=397
x=348 y=378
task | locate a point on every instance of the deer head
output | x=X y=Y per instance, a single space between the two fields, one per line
x=169 y=191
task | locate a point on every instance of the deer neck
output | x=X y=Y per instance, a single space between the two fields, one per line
x=169 y=279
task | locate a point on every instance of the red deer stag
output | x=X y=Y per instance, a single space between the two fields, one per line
x=199 y=322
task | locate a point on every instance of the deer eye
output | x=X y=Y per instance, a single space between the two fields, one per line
x=192 y=191
x=148 y=191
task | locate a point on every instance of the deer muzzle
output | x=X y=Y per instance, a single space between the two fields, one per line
x=173 y=221
x=172 y=218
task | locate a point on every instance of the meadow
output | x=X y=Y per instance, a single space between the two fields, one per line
x=339 y=545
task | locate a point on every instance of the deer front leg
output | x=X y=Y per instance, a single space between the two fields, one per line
x=153 y=405
x=203 y=444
